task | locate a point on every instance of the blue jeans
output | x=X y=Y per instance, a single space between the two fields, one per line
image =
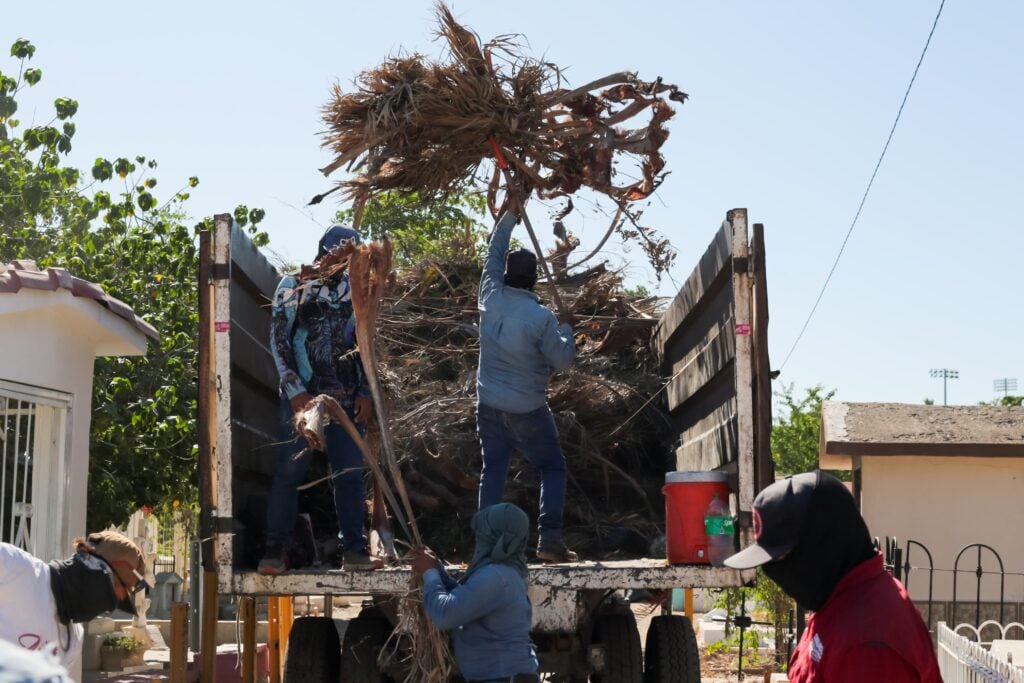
x=290 y=472
x=535 y=436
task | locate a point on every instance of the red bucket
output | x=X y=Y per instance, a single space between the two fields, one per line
x=687 y=496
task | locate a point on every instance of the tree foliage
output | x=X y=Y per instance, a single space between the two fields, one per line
x=796 y=432
x=109 y=225
x=421 y=229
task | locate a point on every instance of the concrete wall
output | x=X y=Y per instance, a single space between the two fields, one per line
x=947 y=503
x=51 y=340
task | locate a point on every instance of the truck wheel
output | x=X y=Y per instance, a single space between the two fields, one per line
x=313 y=653
x=623 y=662
x=364 y=638
x=671 y=655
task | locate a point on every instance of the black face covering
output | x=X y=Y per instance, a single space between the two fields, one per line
x=82 y=588
x=833 y=540
x=521 y=269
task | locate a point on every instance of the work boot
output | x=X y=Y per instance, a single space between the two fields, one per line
x=360 y=561
x=275 y=560
x=555 y=552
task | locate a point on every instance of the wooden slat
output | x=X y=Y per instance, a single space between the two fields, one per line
x=250 y=323
x=253 y=264
x=206 y=402
x=247 y=612
x=274 y=637
x=744 y=367
x=708 y=444
x=762 y=364
x=179 y=641
x=255 y=361
x=223 y=225
x=705 y=360
x=208 y=631
x=692 y=292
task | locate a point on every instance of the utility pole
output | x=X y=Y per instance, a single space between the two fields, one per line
x=946 y=374
x=1005 y=385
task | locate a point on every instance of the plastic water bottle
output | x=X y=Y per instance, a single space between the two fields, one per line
x=719 y=528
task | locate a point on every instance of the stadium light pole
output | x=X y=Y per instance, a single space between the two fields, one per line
x=1005 y=385
x=946 y=374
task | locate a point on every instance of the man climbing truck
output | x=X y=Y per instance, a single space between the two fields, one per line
x=711 y=340
x=521 y=343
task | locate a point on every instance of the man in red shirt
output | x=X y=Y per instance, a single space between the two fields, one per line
x=812 y=541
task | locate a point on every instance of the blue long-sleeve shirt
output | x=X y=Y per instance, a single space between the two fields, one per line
x=312 y=339
x=521 y=341
x=489 y=616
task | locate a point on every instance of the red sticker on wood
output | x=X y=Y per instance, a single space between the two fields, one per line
x=743 y=328
x=221 y=327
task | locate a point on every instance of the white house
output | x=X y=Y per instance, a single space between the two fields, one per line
x=52 y=327
x=945 y=477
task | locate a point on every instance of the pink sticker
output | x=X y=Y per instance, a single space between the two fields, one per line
x=743 y=328
x=221 y=327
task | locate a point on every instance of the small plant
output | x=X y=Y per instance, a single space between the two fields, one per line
x=122 y=643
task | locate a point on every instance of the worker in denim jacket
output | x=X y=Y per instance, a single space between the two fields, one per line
x=487 y=610
x=312 y=338
x=521 y=344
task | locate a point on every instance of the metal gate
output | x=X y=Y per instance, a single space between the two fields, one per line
x=34 y=468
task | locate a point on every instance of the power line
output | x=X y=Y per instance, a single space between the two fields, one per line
x=867 y=190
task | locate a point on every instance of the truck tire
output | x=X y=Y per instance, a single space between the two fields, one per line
x=623 y=659
x=671 y=655
x=314 y=651
x=363 y=640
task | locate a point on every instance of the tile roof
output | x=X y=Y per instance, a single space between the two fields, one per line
x=18 y=275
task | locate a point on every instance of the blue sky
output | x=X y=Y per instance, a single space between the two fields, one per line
x=790 y=105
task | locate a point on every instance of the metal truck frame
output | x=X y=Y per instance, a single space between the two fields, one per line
x=712 y=340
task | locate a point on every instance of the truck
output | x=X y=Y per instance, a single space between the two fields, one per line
x=711 y=341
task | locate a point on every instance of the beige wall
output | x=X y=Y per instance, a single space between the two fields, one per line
x=947 y=503
x=51 y=340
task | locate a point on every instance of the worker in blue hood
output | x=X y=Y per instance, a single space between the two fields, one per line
x=487 y=610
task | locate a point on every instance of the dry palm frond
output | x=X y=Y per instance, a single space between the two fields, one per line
x=420 y=647
x=415 y=124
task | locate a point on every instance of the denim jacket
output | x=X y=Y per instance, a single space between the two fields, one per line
x=489 y=617
x=521 y=341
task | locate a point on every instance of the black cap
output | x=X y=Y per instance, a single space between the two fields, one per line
x=779 y=514
x=521 y=269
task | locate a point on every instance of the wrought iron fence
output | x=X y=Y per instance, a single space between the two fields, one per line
x=914 y=559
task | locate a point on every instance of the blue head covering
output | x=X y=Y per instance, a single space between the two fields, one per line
x=335 y=235
x=501 y=534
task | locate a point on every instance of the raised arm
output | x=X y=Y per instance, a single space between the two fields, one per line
x=494 y=265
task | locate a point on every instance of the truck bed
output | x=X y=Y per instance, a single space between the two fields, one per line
x=652 y=574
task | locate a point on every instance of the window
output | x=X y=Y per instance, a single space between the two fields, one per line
x=35 y=453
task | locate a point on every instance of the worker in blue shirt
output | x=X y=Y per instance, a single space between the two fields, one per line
x=312 y=339
x=521 y=344
x=487 y=610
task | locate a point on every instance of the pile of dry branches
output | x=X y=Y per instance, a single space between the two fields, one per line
x=415 y=124
x=615 y=440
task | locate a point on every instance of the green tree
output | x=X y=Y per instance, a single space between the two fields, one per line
x=796 y=431
x=452 y=229
x=1009 y=400
x=141 y=250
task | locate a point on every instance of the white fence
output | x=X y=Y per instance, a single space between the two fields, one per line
x=966 y=661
